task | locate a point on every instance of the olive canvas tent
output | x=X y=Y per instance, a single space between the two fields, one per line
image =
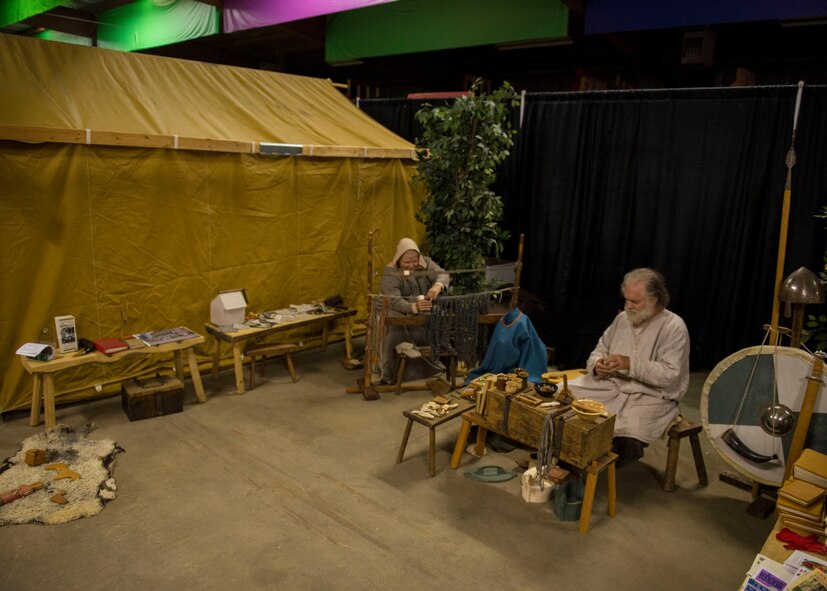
x=135 y=188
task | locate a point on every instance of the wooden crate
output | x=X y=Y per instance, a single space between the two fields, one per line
x=152 y=397
x=583 y=442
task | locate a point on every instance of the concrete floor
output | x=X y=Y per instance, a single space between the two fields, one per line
x=295 y=486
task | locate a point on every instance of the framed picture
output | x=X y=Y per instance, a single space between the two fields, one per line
x=67 y=338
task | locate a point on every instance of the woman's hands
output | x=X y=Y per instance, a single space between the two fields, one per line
x=436 y=288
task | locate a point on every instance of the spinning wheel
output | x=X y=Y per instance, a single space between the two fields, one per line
x=754 y=386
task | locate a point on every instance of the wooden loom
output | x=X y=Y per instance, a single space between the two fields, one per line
x=364 y=385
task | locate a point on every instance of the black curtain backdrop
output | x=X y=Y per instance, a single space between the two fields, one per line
x=689 y=182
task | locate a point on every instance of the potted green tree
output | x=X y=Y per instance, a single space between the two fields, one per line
x=460 y=149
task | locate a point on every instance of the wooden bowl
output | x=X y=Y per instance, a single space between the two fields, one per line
x=588 y=410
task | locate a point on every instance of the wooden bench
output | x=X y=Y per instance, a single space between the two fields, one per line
x=274 y=350
x=463 y=405
x=593 y=470
x=402 y=360
x=682 y=429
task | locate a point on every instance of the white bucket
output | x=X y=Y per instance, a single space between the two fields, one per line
x=531 y=487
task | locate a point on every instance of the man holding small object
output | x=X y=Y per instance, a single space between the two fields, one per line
x=411 y=282
x=640 y=367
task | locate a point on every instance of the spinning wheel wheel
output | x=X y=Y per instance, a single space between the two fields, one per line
x=740 y=388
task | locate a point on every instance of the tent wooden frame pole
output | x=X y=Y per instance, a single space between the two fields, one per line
x=91 y=137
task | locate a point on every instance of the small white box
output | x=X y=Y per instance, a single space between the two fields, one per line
x=228 y=308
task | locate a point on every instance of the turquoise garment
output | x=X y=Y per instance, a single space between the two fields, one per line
x=514 y=343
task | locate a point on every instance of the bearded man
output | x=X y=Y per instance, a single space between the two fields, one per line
x=640 y=367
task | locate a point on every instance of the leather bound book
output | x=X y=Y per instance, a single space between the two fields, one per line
x=812 y=467
x=801 y=492
x=110 y=346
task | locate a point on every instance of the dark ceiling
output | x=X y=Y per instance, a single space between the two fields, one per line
x=761 y=53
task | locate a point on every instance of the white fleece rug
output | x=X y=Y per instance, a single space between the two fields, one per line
x=85 y=496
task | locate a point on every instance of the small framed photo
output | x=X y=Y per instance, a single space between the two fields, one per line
x=67 y=338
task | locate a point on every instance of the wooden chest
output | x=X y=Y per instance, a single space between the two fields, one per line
x=152 y=397
x=524 y=422
x=579 y=442
x=583 y=442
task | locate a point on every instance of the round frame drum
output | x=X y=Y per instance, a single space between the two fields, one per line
x=725 y=390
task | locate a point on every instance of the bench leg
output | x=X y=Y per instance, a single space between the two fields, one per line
x=700 y=467
x=482 y=434
x=611 y=478
x=462 y=439
x=402 y=447
x=588 y=502
x=252 y=371
x=671 y=464
x=290 y=367
x=400 y=373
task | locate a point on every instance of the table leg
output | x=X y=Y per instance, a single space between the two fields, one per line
x=49 y=399
x=432 y=452
x=239 y=371
x=402 y=447
x=195 y=375
x=37 y=393
x=462 y=439
x=588 y=501
x=216 y=358
x=179 y=364
x=348 y=340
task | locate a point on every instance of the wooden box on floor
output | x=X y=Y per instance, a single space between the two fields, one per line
x=152 y=397
x=583 y=441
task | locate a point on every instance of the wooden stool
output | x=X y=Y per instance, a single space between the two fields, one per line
x=678 y=431
x=432 y=424
x=593 y=470
x=402 y=359
x=273 y=349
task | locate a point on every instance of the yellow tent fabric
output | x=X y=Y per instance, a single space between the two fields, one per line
x=129 y=239
x=60 y=85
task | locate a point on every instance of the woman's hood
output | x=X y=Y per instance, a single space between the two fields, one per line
x=404 y=246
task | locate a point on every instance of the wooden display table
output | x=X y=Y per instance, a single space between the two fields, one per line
x=44 y=372
x=239 y=337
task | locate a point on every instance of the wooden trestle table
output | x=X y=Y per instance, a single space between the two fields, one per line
x=44 y=372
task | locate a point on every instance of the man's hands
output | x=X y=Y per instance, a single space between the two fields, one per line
x=611 y=364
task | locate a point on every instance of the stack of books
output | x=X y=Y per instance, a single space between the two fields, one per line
x=801 y=500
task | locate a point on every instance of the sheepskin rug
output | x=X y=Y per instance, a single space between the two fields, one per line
x=85 y=496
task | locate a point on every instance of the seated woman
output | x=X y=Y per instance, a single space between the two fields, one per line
x=408 y=276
